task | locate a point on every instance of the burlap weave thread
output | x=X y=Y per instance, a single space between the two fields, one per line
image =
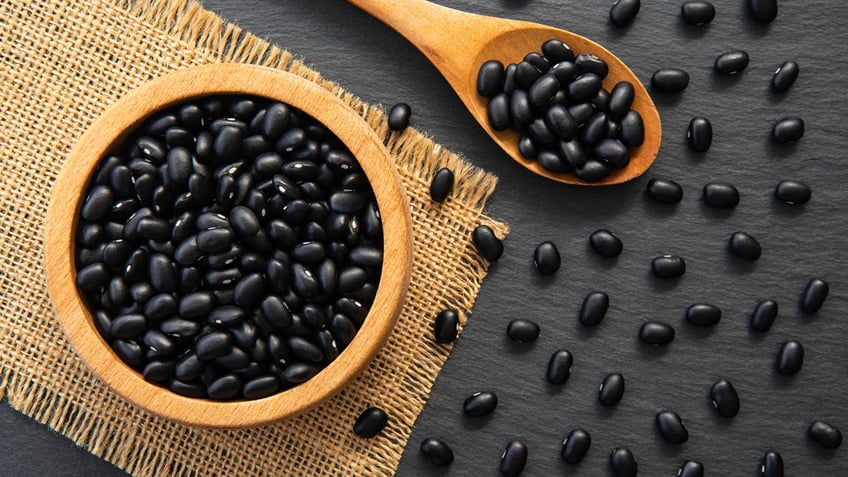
x=62 y=62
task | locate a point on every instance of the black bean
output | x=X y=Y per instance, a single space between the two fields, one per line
x=593 y=170
x=179 y=327
x=702 y=314
x=668 y=266
x=480 y=404
x=134 y=269
x=128 y=326
x=793 y=192
x=235 y=359
x=787 y=130
x=228 y=143
x=526 y=73
x=159 y=345
x=213 y=345
x=160 y=272
x=656 y=333
x=623 y=463
x=814 y=295
x=498 y=112
x=606 y=243
x=560 y=122
x=304 y=350
x=249 y=290
x=160 y=307
x=437 y=452
x=764 y=11
x=93 y=277
x=745 y=246
x=158 y=371
x=543 y=90
x=790 y=358
x=224 y=387
x=670 y=80
x=764 y=315
x=179 y=166
x=541 y=133
x=595 y=129
x=215 y=240
x=624 y=11
x=398 y=117
x=620 y=99
x=700 y=134
x=632 y=129
x=514 y=458
x=195 y=305
x=559 y=367
x=825 y=435
x=665 y=190
x=90 y=235
x=724 y=398
x=611 y=390
x=260 y=387
x=441 y=185
x=154 y=229
x=119 y=292
x=575 y=446
x=718 y=194
x=581 y=112
x=732 y=62
x=486 y=243
x=589 y=63
x=613 y=152
x=370 y=422
x=556 y=51
x=671 y=427
x=691 y=468
x=698 y=13
x=522 y=330
x=594 y=308
x=546 y=258
x=490 y=78
x=584 y=87
x=572 y=153
x=97 y=204
x=151 y=149
x=538 y=61
x=445 y=326
x=785 y=76
x=771 y=465
x=129 y=351
x=551 y=161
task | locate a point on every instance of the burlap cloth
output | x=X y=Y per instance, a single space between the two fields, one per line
x=61 y=63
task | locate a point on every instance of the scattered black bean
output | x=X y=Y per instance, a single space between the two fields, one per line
x=665 y=190
x=612 y=389
x=771 y=465
x=698 y=13
x=825 y=435
x=513 y=459
x=445 y=326
x=700 y=134
x=691 y=468
x=724 y=398
x=624 y=11
x=487 y=244
x=702 y=314
x=559 y=367
x=671 y=427
x=623 y=463
x=764 y=11
x=787 y=130
x=732 y=62
x=442 y=185
x=745 y=246
x=399 y=116
x=785 y=76
x=764 y=315
x=370 y=422
x=606 y=243
x=814 y=295
x=656 y=333
x=546 y=258
x=793 y=192
x=668 y=266
x=718 y=194
x=437 y=452
x=480 y=404
x=790 y=358
x=522 y=330
x=670 y=80
x=575 y=446
x=594 y=308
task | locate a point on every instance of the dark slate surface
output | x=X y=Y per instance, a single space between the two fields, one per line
x=798 y=242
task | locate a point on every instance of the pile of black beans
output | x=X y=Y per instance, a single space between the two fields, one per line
x=566 y=120
x=230 y=248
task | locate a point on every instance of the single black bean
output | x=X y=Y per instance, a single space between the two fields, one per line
x=814 y=295
x=764 y=11
x=398 y=118
x=154 y=229
x=581 y=112
x=670 y=80
x=128 y=326
x=526 y=73
x=665 y=190
x=215 y=240
x=130 y=352
x=623 y=463
x=510 y=81
x=771 y=465
x=304 y=350
x=224 y=387
x=135 y=268
x=620 y=99
x=732 y=62
x=745 y=246
x=490 y=78
x=698 y=13
x=611 y=390
x=538 y=61
x=498 y=112
x=179 y=328
x=546 y=258
x=559 y=367
x=437 y=452
x=613 y=152
x=158 y=371
x=606 y=243
x=593 y=170
x=213 y=345
x=668 y=266
x=825 y=435
x=160 y=272
x=151 y=149
x=718 y=194
x=702 y=314
x=543 y=90
x=724 y=398
x=589 y=63
x=556 y=51
x=541 y=133
x=347 y=202
x=560 y=122
x=260 y=387
x=671 y=427
x=790 y=358
x=480 y=404
x=632 y=129
x=793 y=192
x=700 y=134
x=93 y=276
x=249 y=290
x=189 y=367
x=785 y=76
x=787 y=130
x=445 y=326
x=90 y=235
x=691 y=468
x=228 y=143
x=441 y=185
x=551 y=161
x=584 y=87
x=594 y=308
x=575 y=446
x=764 y=315
x=514 y=458
x=572 y=153
x=370 y=422
x=195 y=305
x=624 y=11
x=235 y=359
x=97 y=204
x=656 y=333
x=179 y=166
x=487 y=244
x=160 y=307
x=299 y=372
x=520 y=110
x=194 y=390
x=522 y=330
x=118 y=290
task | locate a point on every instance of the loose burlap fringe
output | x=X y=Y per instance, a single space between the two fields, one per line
x=61 y=63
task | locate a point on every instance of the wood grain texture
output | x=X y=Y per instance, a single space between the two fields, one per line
x=458 y=43
x=113 y=126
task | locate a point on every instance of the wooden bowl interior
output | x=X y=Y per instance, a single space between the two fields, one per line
x=114 y=126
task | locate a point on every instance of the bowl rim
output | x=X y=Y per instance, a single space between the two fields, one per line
x=115 y=123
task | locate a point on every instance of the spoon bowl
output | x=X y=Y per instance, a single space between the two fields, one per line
x=458 y=43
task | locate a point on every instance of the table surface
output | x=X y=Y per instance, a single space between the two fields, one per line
x=372 y=61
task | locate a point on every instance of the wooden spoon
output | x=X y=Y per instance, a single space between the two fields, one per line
x=458 y=43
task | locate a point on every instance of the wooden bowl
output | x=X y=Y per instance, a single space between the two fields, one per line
x=114 y=126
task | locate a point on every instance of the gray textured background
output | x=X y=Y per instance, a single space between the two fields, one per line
x=799 y=243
